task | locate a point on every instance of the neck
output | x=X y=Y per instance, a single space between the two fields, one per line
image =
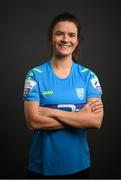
x=61 y=63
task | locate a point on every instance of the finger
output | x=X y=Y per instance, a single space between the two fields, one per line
x=93 y=105
x=90 y=103
x=97 y=108
x=94 y=102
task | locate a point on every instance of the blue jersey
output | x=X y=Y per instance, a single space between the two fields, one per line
x=63 y=151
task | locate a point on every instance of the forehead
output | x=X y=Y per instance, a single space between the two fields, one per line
x=65 y=26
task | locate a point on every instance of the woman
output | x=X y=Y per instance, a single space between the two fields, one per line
x=62 y=100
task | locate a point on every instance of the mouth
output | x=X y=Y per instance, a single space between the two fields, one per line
x=64 y=46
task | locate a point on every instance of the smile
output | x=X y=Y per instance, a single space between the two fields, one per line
x=64 y=46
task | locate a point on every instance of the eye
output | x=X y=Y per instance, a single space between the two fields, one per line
x=72 y=35
x=58 y=33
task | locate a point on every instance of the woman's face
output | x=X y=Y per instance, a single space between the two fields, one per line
x=64 y=38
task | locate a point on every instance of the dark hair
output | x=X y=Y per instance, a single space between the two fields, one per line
x=65 y=17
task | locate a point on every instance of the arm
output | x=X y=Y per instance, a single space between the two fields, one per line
x=35 y=120
x=88 y=117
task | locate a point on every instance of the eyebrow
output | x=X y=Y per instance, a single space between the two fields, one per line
x=67 y=32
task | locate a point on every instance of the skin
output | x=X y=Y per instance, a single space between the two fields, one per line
x=64 y=41
x=88 y=117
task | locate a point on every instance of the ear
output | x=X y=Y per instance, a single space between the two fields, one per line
x=50 y=39
x=77 y=43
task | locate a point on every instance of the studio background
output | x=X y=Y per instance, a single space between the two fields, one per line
x=24 y=45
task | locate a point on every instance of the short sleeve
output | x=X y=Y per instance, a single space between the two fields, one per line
x=31 y=89
x=93 y=86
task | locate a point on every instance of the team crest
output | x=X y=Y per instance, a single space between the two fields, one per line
x=80 y=93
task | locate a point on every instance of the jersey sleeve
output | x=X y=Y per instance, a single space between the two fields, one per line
x=31 y=88
x=93 y=86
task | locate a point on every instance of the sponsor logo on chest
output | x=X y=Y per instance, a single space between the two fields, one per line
x=48 y=92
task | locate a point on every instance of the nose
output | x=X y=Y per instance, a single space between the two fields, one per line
x=65 y=38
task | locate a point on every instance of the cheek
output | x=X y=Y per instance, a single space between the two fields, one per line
x=54 y=42
x=76 y=43
x=54 y=45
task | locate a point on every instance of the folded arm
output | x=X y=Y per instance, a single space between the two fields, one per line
x=88 y=117
x=35 y=120
x=51 y=119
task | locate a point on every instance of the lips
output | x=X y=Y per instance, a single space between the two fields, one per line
x=64 y=46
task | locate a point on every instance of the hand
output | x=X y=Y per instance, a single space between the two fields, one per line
x=94 y=106
x=45 y=111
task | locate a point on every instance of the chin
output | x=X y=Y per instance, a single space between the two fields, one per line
x=62 y=55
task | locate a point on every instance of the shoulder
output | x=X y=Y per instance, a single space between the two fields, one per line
x=85 y=72
x=37 y=71
x=91 y=80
